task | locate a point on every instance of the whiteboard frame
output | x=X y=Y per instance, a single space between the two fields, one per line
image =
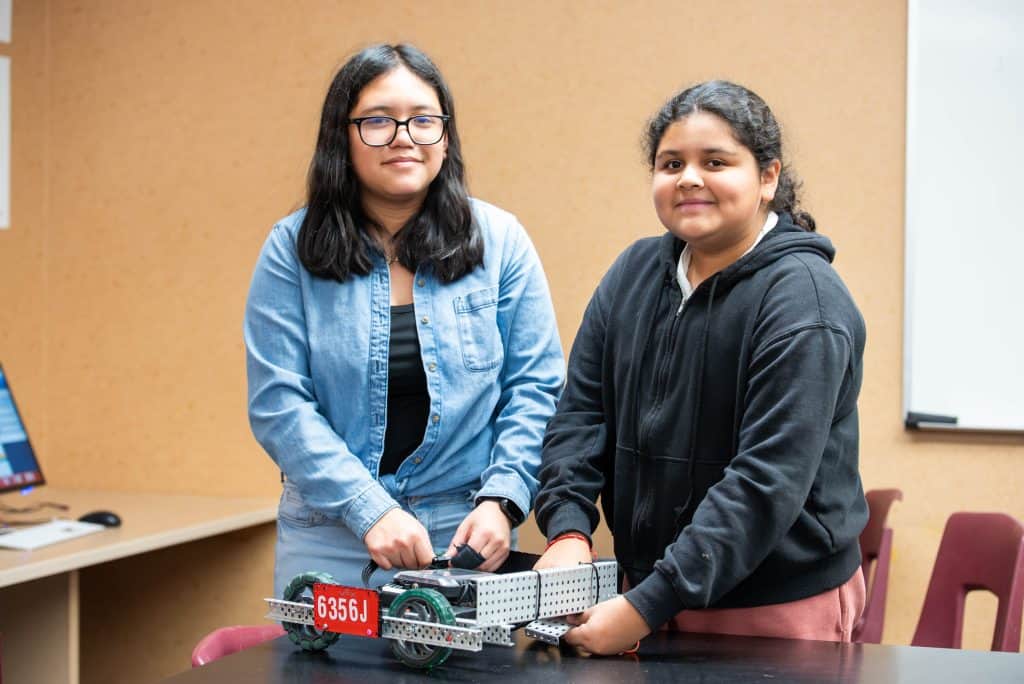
x=908 y=205
x=911 y=244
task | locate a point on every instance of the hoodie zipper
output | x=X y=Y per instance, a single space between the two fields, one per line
x=660 y=381
x=661 y=384
x=647 y=422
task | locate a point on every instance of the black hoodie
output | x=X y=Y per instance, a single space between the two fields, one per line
x=722 y=437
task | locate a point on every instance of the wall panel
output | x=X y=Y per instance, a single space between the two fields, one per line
x=159 y=141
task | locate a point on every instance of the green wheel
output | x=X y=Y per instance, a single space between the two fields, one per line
x=423 y=605
x=300 y=590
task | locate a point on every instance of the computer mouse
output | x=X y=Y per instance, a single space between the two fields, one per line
x=105 y=518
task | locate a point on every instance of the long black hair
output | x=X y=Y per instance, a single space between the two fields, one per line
x=333 y=239
x=752 y=124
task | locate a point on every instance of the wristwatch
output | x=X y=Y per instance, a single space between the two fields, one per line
x=508 y=507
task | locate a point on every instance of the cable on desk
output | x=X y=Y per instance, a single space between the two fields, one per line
x=595 y=578
x=34 y=508
x=540 y=587
x=5 y=524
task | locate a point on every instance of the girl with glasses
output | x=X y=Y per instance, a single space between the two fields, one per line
x=402 y=352
x=711 y=401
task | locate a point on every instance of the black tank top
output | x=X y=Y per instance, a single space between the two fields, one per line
x=408 y=397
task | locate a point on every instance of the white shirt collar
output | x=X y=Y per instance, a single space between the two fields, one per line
x=684 y=259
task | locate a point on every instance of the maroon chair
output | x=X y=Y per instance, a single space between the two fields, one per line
x=876 y=551
x=228 y=640
x=978 y=551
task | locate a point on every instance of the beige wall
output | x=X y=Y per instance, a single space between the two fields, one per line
x=24 y=290
x=156 y=142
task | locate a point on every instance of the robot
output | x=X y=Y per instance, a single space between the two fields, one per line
x=429 y=613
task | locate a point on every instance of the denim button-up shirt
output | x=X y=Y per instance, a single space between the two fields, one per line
x=317 y=362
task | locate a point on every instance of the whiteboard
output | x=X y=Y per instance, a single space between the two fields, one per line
x=964 y=276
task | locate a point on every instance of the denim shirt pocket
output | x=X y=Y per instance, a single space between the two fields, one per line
x=477 y=315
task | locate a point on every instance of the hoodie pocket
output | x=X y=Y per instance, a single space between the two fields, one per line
x=626 y=504
x=477 y=316
x=657 y=487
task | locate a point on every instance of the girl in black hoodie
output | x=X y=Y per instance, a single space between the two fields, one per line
x=711 y=401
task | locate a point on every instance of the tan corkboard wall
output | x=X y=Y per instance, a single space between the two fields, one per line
x=23 y=283
x=173 y=134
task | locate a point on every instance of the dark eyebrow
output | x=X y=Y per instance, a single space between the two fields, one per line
x=719 y=150
x=388 y=110
x=706 y=150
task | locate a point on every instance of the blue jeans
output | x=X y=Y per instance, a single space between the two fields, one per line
x=309 y=542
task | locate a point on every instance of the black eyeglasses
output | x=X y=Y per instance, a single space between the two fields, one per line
x=379 y=131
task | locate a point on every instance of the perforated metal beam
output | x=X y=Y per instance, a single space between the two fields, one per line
x=290 y=611
x=526 y=596
x=548 y=631
x=432 y=633
x=499 y=635
x=465 y=635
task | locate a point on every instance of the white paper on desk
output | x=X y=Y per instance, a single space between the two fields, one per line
x=47 y=533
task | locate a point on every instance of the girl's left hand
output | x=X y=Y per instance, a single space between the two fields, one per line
x=609 y=628
x=488 y=532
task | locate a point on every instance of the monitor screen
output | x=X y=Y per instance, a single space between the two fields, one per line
x=18 y=465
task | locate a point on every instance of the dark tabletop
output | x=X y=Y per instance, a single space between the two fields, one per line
x=664 y=657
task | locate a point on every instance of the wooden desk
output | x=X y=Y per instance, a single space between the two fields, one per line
x=39 y=590
x=663 y=657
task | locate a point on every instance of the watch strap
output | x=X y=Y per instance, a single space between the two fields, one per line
x=508 y=507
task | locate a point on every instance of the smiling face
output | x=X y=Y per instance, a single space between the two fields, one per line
x=398 y=174
x=707 y=187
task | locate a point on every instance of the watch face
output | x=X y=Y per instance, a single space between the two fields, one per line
x=508 y=507
x=511 y=511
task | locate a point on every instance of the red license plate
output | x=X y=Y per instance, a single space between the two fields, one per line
x=346 y=610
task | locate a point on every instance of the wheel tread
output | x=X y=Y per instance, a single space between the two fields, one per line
x=445 y=615
x=306 y=637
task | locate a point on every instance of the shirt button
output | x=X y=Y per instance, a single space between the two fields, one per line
x=435 y=418
x=421 y=282
x=417 y=460
x=432 y=367
x=425 y=320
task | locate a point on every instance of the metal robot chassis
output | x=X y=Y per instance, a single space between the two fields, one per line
x=428 y=613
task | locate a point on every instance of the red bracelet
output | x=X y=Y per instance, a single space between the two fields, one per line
x=569 y=535
x=632 y=651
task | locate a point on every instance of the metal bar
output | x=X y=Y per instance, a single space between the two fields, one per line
x=290 y=611
x=526 y=596
x=548 y=631
x=499 y=635
x=432 y=633
x=464 y=636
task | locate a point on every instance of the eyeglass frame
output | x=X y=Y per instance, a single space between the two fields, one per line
x=445 y=118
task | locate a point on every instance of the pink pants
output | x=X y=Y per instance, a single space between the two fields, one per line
x=828 y=616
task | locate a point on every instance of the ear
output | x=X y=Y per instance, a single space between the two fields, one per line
x=770 y=180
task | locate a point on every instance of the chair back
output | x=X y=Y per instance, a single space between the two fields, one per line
x=228 y=640
x=876 y=552
x=977 y=551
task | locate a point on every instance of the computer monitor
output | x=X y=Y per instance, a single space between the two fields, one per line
x=19 y=468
